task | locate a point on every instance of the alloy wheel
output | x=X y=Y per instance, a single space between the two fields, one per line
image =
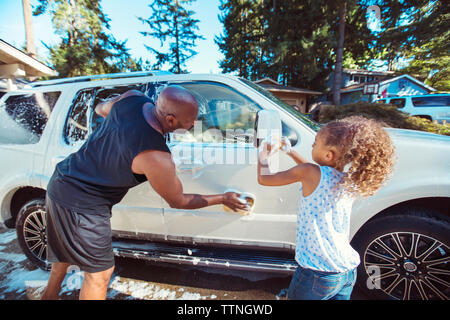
x=408 y=266
x=34 y=233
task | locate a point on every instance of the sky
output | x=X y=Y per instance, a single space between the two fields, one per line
x=124 y=26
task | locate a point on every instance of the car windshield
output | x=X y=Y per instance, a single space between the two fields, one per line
x=310 y=123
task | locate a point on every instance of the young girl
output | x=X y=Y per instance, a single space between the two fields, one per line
x=354 y=158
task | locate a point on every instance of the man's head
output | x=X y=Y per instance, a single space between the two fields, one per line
x=177 y=108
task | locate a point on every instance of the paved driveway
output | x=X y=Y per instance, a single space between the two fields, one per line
x=135 y=279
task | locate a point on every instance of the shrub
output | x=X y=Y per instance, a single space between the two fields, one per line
x=389 y=114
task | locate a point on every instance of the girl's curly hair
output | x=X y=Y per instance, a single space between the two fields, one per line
x=366 y=147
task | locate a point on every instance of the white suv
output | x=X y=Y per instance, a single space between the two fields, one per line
x=434 y=107
x=402 y=233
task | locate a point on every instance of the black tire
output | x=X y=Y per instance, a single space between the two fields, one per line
x=31 y=232
x=405 y=256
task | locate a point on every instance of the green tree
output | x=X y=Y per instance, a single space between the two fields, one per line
x=85 y=48
x=171 y=21
x=416 y=33
x=243 y=41
x=431 y=63
x=293 y=42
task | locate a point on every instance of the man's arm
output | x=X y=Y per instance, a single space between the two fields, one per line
x=103 y=108
x=160 y=171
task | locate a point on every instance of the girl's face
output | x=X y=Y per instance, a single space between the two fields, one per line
x=322 y=154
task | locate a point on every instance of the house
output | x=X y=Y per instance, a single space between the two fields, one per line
x=15 y=64
x=296 y=97
x=360 y=76
x=403 y=85
x=365 y=85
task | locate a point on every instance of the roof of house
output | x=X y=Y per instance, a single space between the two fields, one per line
x=21 y=62
x=274 y=86
x=360 y=86
x=367 y=72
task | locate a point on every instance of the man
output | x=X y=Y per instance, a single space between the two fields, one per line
x=126 y=150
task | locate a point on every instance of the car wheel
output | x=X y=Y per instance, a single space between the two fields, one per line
x=31 y=232
x=405 y=257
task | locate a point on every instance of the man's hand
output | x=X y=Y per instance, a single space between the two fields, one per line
x=232 y=201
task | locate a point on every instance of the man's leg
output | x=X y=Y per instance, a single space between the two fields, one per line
x=95 y=285
x=57 y=274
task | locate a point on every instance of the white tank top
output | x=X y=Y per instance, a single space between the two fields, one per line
x=323 y=226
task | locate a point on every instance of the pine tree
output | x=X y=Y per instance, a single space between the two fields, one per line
x=244 y=39
x=176 y=28
x=293 y=42
x=85 y=47
x=409 y=25
x=416 y=31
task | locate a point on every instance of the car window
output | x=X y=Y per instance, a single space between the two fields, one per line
x=440 y=101
x=225 y=115
x=399 y=103
x=381 y=101
x=23 y=117
x=302 y=117
x=82 y=120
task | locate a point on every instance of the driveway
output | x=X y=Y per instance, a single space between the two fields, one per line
x=137 y=279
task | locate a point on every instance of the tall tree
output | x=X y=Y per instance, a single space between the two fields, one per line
x=29 y=34
x=173 y=24
x=243 y=41
x=293 y=42
x=339 y=54
x=86 y=47
x=416 y=33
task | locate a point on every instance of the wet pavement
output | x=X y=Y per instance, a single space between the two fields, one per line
x=138 y=279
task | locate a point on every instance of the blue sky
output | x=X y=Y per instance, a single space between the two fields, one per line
x=124 y=25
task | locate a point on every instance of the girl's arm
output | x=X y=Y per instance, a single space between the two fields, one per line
x=286 y=147
x=299 y=173
x=297 y=157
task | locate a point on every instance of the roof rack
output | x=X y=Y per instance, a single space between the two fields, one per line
x=100 y=77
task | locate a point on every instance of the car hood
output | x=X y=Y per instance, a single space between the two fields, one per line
x=399 y=135
x=421 y=153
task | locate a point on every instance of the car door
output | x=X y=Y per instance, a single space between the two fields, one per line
x=140 y=211
x=218 y=155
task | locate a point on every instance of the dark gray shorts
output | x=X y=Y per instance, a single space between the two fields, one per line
x=81 y=239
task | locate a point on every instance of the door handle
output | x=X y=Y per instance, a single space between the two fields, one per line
x=190 y=167
x=186 y=165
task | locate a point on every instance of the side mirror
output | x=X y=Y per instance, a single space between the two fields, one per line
x=267 y=123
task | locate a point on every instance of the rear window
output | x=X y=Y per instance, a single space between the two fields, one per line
x=23 y=117
x=442 y=101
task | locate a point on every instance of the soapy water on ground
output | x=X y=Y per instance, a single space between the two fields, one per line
x=135 y=279
x=139 y=280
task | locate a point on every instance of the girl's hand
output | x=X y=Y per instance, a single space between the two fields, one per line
x=263 y=154
x=286 y=145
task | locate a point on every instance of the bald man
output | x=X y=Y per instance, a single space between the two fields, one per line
x=127 y=149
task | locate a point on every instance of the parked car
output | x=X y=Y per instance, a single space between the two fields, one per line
x=434 y=107
x=402 y=233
